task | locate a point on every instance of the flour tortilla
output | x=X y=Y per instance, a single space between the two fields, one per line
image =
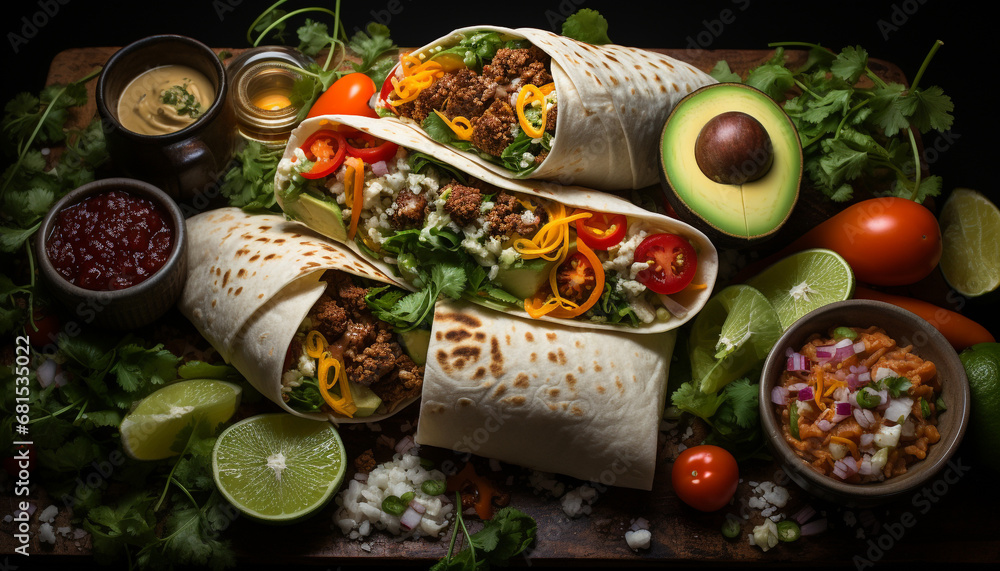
x=693 y=299
x=252 y=279
x=612 y=104
x=586 y=404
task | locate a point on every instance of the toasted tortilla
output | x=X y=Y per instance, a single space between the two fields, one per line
x=692 y=298
x=252 y=279
x=612 y=104
x=545 y=396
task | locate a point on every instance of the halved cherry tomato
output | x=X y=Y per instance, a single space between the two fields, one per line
x=349 y=95
x=705 y=477
x=372 y=150
x=387 y=88
x=602 y=230
x=326 y=149
x=575 y=278
x=672 y=263
x=44 y=328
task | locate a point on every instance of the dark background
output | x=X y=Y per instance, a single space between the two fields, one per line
x=899 y=31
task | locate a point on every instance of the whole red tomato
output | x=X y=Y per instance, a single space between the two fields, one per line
x=705 y=477
x=349 y=95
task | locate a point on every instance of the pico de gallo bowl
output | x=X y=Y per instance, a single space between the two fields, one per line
x=863 y=401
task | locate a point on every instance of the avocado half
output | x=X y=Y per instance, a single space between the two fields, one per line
x=732 y=215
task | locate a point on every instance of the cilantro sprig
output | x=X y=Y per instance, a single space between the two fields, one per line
x=507 y=534
x=851 y=122
x=732 y=414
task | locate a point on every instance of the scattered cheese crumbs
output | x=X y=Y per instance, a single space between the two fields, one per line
x=46 y=533
x=578 y=501
x=638 y=539
x=48 y=515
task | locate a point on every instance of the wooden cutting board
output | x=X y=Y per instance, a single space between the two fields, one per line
x=945 y=523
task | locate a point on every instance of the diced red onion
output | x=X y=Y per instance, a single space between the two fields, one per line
x=380 y=168
x=884 y=403
x=797 y=387
x=405 y=444
x=845 y=468
x=864 y=377
x=825 y=352
x=840 y=374
x=859 y=347
x=779 y=395
x=674 y=307
x=640 y=523
x=46 y=373
x=825 y=425
x=410 y=518
x=804 y=514
x=858 y=369
x=843 y=408
x=417 y=506
x=813 y=527
x=797 y=362
x=806 y=394
x=867 y=438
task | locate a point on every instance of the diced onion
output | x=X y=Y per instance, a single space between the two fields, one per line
x=864 y=417
x=806 y=393
x=380 y=168
x=804 y=514
x=825 y=425
x=417 y=507
x=405 y=444
x=779 y=395
x=797 y=362
x=46 y=373
x=410 y=518
x=813 y=527
x=842 y=409
x=797 y=387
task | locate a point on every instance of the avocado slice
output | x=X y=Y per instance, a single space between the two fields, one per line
x=415 y=343
x=364 y=398
x=742 y=210
x=323 y=216
x=524 y=279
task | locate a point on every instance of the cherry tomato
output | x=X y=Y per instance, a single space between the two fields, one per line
x=387 y=88
x=349 y=95
x=575 y=278
x=47 y=325
x=672 y=263
x=705 y=477
x=319 y=148
x=371 y=149
x=601 y=230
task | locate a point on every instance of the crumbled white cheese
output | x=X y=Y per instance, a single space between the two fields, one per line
x=48 y=515
x=638 y=539
x=578 y=501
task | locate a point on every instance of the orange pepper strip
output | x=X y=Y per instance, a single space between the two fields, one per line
x=819 y=389
x=849 y=444
x=345 y=404
x=357 y=191
x=565 y=311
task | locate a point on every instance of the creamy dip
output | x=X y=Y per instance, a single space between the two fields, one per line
x=165 y=99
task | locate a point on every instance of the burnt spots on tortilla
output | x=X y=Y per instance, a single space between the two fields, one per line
x=554 y=392
x=442 y=359
x=264 y=239
x=479 y=374
x=254 y=257
x=571 y=381
x=553 y=357
x=242 y=273
x=467 y=320
x=279 y=240
x=576 y=410
x=522 y=381
x=238 y=291
x=308 y=253
x=247 y=236
x=601 y=389
x=550 y=336
x=529 y=337
x=619 y=384
x=457 y=335
x=270 y=256
x=496 y=357
x=516 y=400
x=499 y=391
x=225 y=278
x=533 y=357
x=466 y=352
x=480 y=336
x=214 y=302
x=242 y=252
x=439 y=336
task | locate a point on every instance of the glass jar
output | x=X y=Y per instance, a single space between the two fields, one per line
x=262 y=80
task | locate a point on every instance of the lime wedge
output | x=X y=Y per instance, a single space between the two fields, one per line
x=730 y=335
x=970 y=232
x=150 y=430
x=278 y=467
x=804 y=281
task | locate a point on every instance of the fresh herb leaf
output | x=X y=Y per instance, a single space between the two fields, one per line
x=504 y=536
x=895 y=385
x=371 y=44
x=587 y=25
x=249 y=183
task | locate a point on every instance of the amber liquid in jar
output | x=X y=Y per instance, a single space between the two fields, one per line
x=263 y=80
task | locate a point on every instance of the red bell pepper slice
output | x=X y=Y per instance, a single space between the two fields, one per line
x=326 y=149
x=373 y=149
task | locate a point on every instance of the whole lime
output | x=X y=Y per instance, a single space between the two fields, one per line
x=982 y=366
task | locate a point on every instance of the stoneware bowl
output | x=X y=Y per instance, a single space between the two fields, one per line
x=128 y=308
x=906 y=328
x=187 y=163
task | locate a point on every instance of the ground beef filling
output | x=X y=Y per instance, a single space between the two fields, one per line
x=506 y=218
x=369 y=348
x=484 y=99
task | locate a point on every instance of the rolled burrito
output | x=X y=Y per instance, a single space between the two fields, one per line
x=585 y=404
x=529 y=248
x=528 y=103
x=286 y=308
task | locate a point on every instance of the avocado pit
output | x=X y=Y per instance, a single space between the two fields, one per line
x=734 y=148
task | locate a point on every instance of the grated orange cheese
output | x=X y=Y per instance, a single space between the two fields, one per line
x=317 y=348
x=849 y=444
x=417 y=76
x=461 y=126
x=528 y=95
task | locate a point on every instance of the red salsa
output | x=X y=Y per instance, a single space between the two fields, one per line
x=110 y=241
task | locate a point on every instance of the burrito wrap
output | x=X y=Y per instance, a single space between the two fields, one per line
x=612 y=104
x=252 y=279
x=572 y=196
x=586 y=404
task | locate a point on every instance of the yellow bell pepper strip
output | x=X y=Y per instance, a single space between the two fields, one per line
x=528 y=95
x=316 y=347
x=461 y=126
x=552 y=237
x=561 y=307
x=354 y=181
x=417 y=76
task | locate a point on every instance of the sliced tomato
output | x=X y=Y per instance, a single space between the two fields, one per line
x=326 y=149
x=370 y=149
x=576 y=278
x=387 y=88
x=672 y=263
x=349 y=95
x=602 y=230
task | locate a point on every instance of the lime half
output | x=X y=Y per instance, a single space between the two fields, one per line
x=804 y=281
x=150 y=430
x=731 y=334
x=279 y=467
x=970 y=232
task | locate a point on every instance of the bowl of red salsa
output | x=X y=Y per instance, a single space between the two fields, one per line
x=113 y=251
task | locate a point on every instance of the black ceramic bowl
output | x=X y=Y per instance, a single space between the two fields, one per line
x=128 y=308
x=907 y=329
x=186 y=163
